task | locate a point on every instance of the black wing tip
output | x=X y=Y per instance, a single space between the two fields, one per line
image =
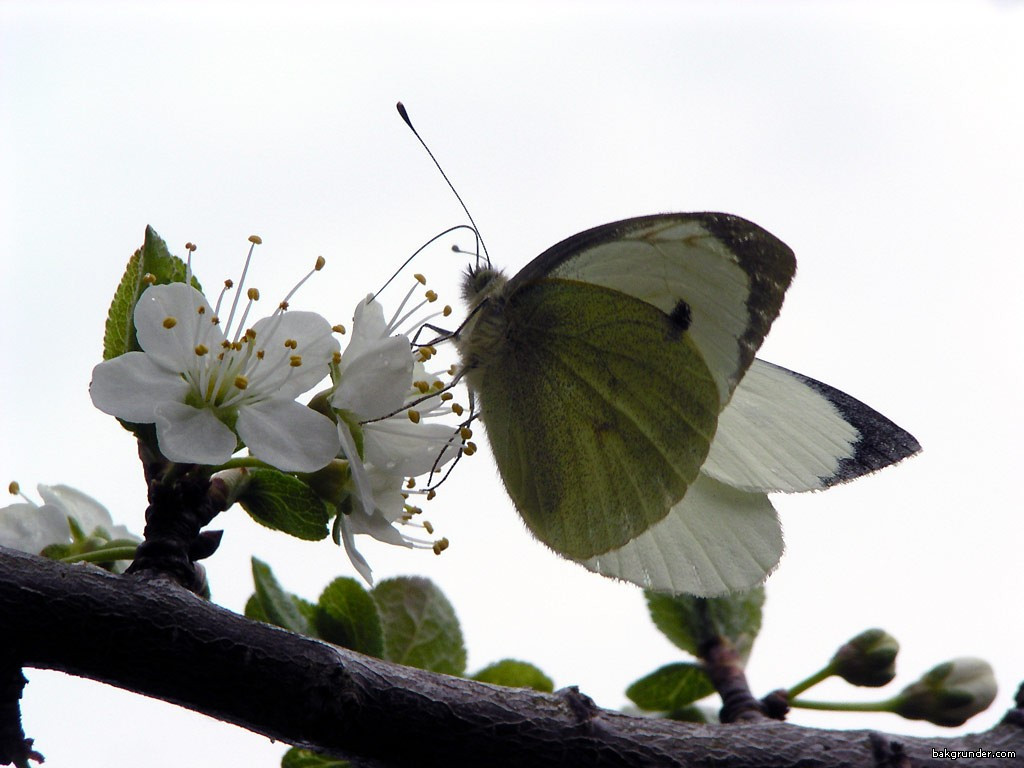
x=882 y=442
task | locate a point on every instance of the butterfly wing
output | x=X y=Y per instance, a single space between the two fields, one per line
x=598 y=406
x=728 y=274
x=783 y=431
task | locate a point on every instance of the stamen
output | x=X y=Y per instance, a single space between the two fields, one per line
x=149 y=278
x=420 y=278
x=201 y=349
x=339 y=329
x=440 y=546
x=427 y=526
x=169 y=322
x=414 y=416
x=241 y=382
x=431 y=296
x=469 y=449
x=295 y=361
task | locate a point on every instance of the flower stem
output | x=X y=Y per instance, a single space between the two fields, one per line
x=822 y=674
x=886 y=705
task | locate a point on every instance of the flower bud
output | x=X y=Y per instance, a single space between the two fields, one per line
x=949 y=694
x=869 y=659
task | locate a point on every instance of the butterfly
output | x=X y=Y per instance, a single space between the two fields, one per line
x=632 y=425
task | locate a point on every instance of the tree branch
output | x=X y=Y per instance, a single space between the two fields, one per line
x=155 y=638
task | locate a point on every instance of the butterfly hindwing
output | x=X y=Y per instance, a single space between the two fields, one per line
x=599 y=409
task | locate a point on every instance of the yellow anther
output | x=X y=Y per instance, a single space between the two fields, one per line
x=291 y=343
x=431 y=494
x=201 y=349
x=214 y=320
x=427 y=526
x=339 y=328
x=336 y=357
x=283 y=306
x=201 y=310
x=149 y=278
x=253 y=294
x=465 y=433
x=229 y=283
x=14 y=489
x=438 y=384
x=457 y=409
x=422 y=386
x=190 y=246
x=241 y=382
x=410 y=483
x=420 y=279
x=414 y=416
x=431 y=296
x=320 y=262
x=260 y=353
x=169 y=322
x=405 y=496
x=447 y=310
x=295 y=361
x=440 y=546
x=255 y=239
x=469 y=448
x=236 y=345
x=445 y=396
x=453 y=369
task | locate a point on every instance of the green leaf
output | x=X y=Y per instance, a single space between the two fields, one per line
x=254 y=610
x=154 y=259
x=670 y=688
x=420 y=625
x=284 y=503
x=692 y=622
x=346 y=615
x=277 y=605
x=305 y=758
x=515 y=674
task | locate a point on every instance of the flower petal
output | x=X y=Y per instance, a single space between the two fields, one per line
x=31 y=529
x=192 y=435
x=403 y=448
x=348 y=539
x=376 y=383
x=314 y=343
x=133 y=385
x=89 y=513
x=174 y=348
x=288 y=435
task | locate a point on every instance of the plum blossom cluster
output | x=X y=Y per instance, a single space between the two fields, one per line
x=211 y=385
x=389 y=402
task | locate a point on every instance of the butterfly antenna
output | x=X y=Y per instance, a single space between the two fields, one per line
x=405 y=116
x=419 y=250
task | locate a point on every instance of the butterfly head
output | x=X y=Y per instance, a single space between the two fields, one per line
x=480 y=282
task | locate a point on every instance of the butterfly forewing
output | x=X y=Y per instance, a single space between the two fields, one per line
x=729 y=273
x=596 y=435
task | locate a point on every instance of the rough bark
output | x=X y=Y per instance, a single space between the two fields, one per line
x=157 y=639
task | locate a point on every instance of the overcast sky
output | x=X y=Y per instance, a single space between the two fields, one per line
x=880 y=140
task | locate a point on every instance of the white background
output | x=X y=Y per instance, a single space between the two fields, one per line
x=881 y=140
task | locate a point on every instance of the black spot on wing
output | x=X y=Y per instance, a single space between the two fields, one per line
x=882 y=442
x=681 y=316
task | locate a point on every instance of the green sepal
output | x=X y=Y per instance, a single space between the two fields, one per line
x=305 y=758
x=670 y=688
x=515 y=674
x=691 y=623
x=277 y=606
x=154 y=259
x=346 y=615
x=420 y=626
x=284 y=503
